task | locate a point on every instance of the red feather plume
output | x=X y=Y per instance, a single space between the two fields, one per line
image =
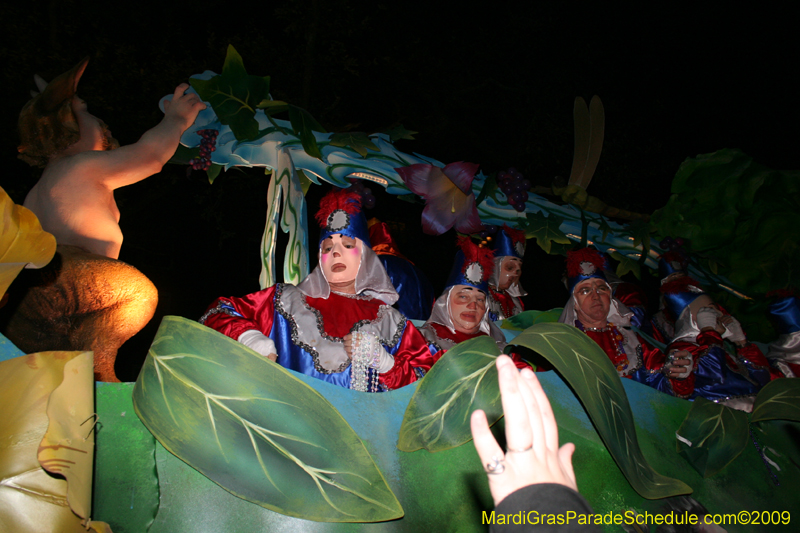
x=584 y=255
x=348 y=201
x=679 y=285
x=781 y=293
x=477 y=254
x=515 y=235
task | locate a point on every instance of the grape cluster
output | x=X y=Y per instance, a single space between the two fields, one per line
x=668 y=243
x=515 y=187
x=207 y=145
x=367 y=198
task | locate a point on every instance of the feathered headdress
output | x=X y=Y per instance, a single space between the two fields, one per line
x=583 y=264
x=340 y=213
x=509 y=241
x=472 y=266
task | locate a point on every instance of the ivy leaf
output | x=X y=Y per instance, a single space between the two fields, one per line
x=778 y=400
x=305 y=182
x=602 y=225
x=587 y=369
x=399 y=132
x=711 y=436
x=464 y=379
x=626 y=264
x=213 y=171
x=255 y=430
x=356 y=140
x=304 y=126
x=234 y=95
x=640 y=231
x=545 y=229
x=184 y=154
x=272 y=107
x=490 y=188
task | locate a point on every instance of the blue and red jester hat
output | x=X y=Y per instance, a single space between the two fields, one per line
x=509 y=242
x=340 y=213
x=584 y=264
x=472 y=266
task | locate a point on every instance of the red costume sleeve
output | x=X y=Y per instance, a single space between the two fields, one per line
x=256 y=312
x=411 y=358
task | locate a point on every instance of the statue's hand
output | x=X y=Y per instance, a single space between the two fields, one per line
x=184 y=107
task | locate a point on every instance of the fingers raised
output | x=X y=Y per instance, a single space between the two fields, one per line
x=519 y=433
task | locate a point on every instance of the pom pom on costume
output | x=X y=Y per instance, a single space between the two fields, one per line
x=583 y=264
x=340 y=212
x=672 y=262
x=473 y=265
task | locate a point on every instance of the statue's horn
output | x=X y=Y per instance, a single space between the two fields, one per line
x=62 y=88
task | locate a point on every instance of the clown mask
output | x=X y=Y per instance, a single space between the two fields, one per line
x=340 y=257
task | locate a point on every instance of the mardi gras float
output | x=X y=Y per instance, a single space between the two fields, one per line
x=214 y=437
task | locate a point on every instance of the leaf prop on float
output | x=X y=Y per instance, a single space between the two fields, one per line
x=526 y=319
x=22 y=241
x=47 y=403
x=254 y=429
x=439 y=420
x=713 y=435
x=464 y=379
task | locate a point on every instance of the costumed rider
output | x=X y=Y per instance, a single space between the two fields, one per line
x=337 y=325
x=730 y=378
x=784 y=353
x=671 y=266
x=412 y=285
x=505 y=290
x=461 y=313
x=606 y=321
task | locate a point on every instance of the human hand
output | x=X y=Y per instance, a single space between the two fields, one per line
x=733 y=330
x=708 y=319
x=679 y=364
x=183 y=107
x=348 y=345
x=533 y=454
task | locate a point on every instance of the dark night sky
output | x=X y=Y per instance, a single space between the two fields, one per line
x=492 y=85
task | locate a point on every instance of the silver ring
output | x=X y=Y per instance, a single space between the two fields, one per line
x=496 y=466
x=529 y=448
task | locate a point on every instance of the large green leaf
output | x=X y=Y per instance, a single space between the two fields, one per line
x=545 y=229
x=463 y=380
x=357 y=140
x=304 y=126
x=234 y=95
x=526 y=319
x=778 y=400
x=254 y=429
x=587 y=369
x=711 y=436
